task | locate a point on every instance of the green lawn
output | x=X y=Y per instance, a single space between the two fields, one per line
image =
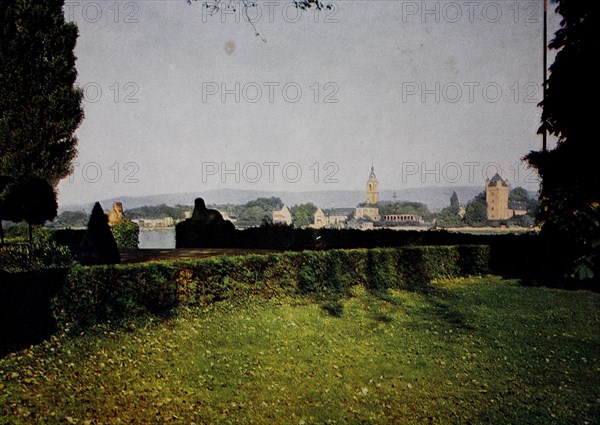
x=480 y=350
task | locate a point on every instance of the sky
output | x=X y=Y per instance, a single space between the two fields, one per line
x=434 y=93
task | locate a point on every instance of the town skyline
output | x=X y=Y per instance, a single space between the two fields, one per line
x=177 y=98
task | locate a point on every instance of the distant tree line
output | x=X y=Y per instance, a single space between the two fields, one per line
x=74 y=219
x=260 y=212
x=403 y=207
x=157 y=211
x=70 y=219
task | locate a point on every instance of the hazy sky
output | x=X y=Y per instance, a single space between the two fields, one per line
x=434 y=93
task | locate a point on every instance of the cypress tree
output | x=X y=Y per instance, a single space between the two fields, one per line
x=40 y=107
x=98 y=245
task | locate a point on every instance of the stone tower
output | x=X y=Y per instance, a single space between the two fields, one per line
x=372 y=188
x=496 y=197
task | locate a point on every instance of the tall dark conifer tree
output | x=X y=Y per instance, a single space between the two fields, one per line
x=454 y=204
x=570 y=191
x=98 y=245
x=40 y=107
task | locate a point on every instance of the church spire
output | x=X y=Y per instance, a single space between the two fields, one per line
x=372 y=192
x=372 y=175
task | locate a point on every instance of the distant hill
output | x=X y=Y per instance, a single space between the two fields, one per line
x=435 y=198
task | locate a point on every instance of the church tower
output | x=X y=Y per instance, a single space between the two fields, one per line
x=496 y=194
x=372 y=191
x=369 y=210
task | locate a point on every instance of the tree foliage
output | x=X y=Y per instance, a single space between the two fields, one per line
x=570 y=187
x=40 y=108
x=212 y=7
x=476 y=211
x=157 y=211
x=519 y=194
x=259 y=211
x=126 y=234
x=403 y=207
x=68 y=219
x=448 y=218
x=454 y=204
x=31 y=200
x=303 y=214
x=5 y=182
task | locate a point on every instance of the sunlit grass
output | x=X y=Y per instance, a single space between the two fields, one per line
x=481 y=350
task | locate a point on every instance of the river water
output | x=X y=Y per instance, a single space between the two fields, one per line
x=158 y=238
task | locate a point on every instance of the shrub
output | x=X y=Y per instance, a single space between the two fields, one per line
x=37 y=256
x=16 y=233
x=126 y=234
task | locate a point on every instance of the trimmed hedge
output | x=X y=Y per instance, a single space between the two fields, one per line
x=114 y=292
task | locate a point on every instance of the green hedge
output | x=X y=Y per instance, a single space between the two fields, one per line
x=37 y=256
x=126 y=234
x=99 y=293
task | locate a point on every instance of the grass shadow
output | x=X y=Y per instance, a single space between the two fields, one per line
x=11 y=343
x=443 y=305
x=382 y=318
x=561 y=282
x=333 y=308
x=379 y=298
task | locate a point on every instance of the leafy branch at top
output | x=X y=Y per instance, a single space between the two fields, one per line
x=214 y=6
